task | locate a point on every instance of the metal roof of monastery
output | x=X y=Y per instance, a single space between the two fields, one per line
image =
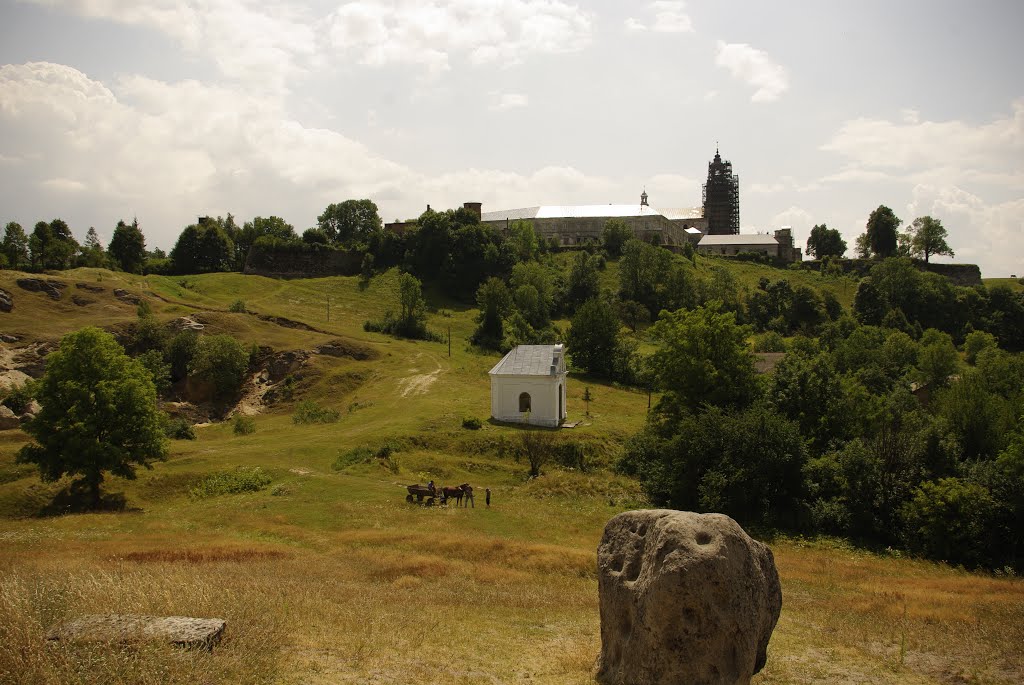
x=531 y=360
x=738 y=239
x=571 y=212
x=675 y=213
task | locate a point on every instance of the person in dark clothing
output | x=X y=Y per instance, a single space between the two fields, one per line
x=487 y=497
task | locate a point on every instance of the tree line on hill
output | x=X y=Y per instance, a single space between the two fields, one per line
x=881 y=239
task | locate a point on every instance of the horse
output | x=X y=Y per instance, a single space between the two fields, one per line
x=448 y=492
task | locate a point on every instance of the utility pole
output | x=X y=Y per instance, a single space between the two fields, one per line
x=328 y=307
x=449 y=341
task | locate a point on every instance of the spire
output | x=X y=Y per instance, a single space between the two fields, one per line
x=643 y=199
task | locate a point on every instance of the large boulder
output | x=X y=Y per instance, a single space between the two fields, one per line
x=685 y=598
x=184 y=631
x=51 y=288
x=6 y=301
x=8 y=419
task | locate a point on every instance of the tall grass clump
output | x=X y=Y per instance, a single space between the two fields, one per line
x=242 y=479
x=244 y=425
x=309 y=411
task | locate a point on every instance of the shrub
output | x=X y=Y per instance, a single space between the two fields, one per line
x=356 y=455
x=244 y=425
x=769 y=342
x=222 y=361
x=179 y=429
x=364 y=454
x=18 y=397
x=472 y=423
x=308 y=411
x=238 y=306
x=242 y=479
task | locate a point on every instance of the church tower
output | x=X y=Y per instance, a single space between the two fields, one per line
x=722 y=198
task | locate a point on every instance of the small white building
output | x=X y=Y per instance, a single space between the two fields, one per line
x=528 y=385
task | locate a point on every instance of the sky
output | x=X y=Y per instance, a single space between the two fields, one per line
x=173 y=109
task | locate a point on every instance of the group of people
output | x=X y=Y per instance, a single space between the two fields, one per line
x=464 y=490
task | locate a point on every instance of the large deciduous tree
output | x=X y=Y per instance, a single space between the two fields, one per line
x=351 y=221
x=703 y=359
x=928 y=237
x=128 y=247
x=98 y=413
x=495 y=302
x=593 y=338
x=825 y=242
x=614 y=236
x=15 y=245
x=883 y=231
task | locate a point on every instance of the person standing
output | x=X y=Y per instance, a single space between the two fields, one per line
x=487 y=497
x=469 y=496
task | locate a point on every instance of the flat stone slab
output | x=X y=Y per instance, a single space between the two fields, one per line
x=178 y=630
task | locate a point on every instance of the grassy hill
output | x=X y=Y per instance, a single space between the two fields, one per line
x=328 y=576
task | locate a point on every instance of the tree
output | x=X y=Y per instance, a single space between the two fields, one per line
x=538 y=446
x=257 y=228
x=703 y=359
x=350 y=222
x=614 y=236
x=825 y=242
x=863 y=246
x=929 y=237
x=583 y=280
x=203 y=248
x=222 y=361
x=593 y=338
x=98 y=413
x=128 y=247
x=15 y=245
x=951 y=520
x=522 y=239
x=883 y=231
x=644 y=271
x=495 y=303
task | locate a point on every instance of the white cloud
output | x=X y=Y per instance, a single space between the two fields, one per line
x=669 y=17
x=382 y=32
x=167 y=152
x=935 y=152
x=634 y=26
x=710 y=95
x=64 y=185
x=979 y=232
x=799 y=218
x=503 y=101
x=263 y=44
x=755 y=68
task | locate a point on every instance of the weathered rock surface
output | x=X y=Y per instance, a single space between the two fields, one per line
x=179 y=630
x=6 y=301
x=8 y=419
x=685 y=598
x=52 y=289
x=90 y=287
x=125 y=296
x=81 y=301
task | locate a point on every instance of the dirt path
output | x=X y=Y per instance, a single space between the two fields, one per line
x=419 y=383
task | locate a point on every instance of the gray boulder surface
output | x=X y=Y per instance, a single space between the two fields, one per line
x=685 y=598
x=8 y=419
x=6 y=301
x=183 y=631
x=51 y=288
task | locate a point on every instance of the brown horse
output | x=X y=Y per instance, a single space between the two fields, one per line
x=449 y=492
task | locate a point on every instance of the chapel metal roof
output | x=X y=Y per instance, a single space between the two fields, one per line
x=532 y=360
x=740 y=239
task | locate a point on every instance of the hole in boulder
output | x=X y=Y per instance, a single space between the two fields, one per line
x=703 y=538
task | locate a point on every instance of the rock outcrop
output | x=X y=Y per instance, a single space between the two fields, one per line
x=685 y=598
x=179 y=630
x=51 y=288
x=6 y=301
x=125 y=296
x=8 y=419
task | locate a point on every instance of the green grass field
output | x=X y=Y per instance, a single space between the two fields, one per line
x=329 y=576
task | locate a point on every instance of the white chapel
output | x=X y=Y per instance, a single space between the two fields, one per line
x=528 y=385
